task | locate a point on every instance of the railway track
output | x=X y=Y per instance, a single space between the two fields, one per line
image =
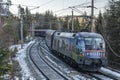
x=101 y=76
x=61 y=66
x=46 y=70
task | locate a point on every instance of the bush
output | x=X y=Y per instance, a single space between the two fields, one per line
x=4 y=58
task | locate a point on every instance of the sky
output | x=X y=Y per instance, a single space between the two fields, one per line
x=58 y=7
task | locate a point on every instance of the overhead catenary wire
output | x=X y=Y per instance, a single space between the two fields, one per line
x=84 y=3
x=22 y=5
x=35 y=6
x=68 y=7
x=81 y=5
x=99 y=1
x=42 y=4
x=60 y=10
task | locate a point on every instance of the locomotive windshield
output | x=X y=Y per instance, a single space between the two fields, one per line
x=91 y=44
x=81 y=44
x=94 y=44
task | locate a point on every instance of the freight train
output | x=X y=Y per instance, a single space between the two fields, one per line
x=86 y=49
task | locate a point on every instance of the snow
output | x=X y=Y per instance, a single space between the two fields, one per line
x=102 y=77
x=20 y=57
x=6 y=76
x=110 y=72
x=16 y=78
x=15 y=46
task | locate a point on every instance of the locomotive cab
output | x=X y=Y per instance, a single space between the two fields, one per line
x=91 y=50
x=84 y=49
x=88 y=45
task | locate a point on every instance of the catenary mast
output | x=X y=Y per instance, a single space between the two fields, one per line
x=4 y=7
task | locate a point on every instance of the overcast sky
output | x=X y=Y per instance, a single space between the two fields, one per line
x=56 y=5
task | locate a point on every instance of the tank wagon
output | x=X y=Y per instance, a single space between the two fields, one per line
x=86 y=49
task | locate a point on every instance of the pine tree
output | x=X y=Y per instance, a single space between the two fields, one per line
x=99 y=24
x=50 y=19
x=27 y=18
x=76 y=24
x=112 y=29
x=4 y=56
x=27 y=21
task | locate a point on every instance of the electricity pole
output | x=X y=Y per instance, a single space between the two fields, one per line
x=21 y=11
x=92 y=17
x=72 y=21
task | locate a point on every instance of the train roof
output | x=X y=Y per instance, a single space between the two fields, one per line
x=50 y=32
x=80 y=34
x=65 y=34
x=73 y=35
x=89 y=34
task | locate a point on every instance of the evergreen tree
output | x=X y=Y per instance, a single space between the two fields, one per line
x=4 y=57
x=27 y=18
x=50 y=19
x=27 y=21
x=99 y=24
x=76 y=24
x=112 y=29
x=65 y=23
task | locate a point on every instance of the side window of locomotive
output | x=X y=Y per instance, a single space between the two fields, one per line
x=81 y=44
x=88 y=44
x=99 y=43
x=94 y=43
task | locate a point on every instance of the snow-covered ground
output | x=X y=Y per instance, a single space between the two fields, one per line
x=20 y=57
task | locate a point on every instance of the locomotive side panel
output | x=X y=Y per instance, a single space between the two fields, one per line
x=62 y=44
